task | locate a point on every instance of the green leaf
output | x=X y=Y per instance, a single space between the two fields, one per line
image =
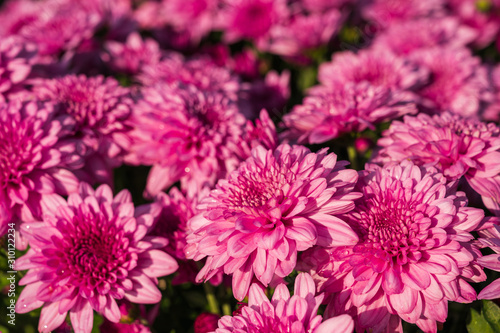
x=478 y=324
x=491 y=313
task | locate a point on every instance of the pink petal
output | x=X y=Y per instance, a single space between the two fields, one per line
x=156 y=263
x=82 y=316
x=339 y=324
x=50 y=318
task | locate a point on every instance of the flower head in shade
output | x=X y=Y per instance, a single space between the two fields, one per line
x=186 y=134
x=490 y=238
x=15 y=64
x=284 y=313
x=481 y=16
x=278 y=202
x=250 y=19
x=55 y=26
x=99 y=107
x=206 y=322
x=387 y=12
x=377 y=66
x=131 y=56
x=90 y=251
x=353 y=107
x=405 y=37
x=414 y=252
x=201 y=72
x=33 y=156
x=458 y=82
x=457 y=147
x=301 y=32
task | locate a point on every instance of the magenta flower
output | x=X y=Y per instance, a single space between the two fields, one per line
x=481 y=16
x=455 y=146
x=54 y=25
x=33 y=156
x=490 y=238
x=187 y=135
x=405 y=37
x=387 y=12
x=128 y=323
x=277 y=202
x=99 y=107
x=458 y=83
x=200 y=72
x=16 y=58
x=301 y=32
x=131 y=56
x=250 y=19
x=206 y=322
x=413 y=256
x=283 y=313
x=377 y=66
x=90 y=251
x=329 y=113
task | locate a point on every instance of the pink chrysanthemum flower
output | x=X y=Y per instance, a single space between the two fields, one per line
x=377 y=66
x=53 y=25
x=386 y=12
x=250 y=19
x=351 y=108
x=492 y=110
x=490 y=238
x=284 y=313
x=90 y=251
x=481 y=16
x=301 y=32
x=455 y=146
x=99 y=107
x=200 y=72
x=131 y=56
x=186 y=134
x=278 y=202
x=413 y=255
x=33 y=156
x=15 y=64
x=405 y=37
x=458 y=82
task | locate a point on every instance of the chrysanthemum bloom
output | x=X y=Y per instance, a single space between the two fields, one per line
x=481 y=16
x=88 y=252
x=351 y=108
x=408 y=36
x=458 y=82
x=278 y=202
x=206 y=322
x=377 y=66
x=15 y=64
x=54 y=25
x=171 y=223
x=455 y=146
x=285 y=313
x=413 y=256
x=33 y=153
x=131 y=56
x=386 y=12
x=186 y=134
x=100 y=107
x=250 y=19
x=301 y=32
x=200 y=72
x=490 y=238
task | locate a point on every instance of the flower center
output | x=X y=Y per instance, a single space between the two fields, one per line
x=96 y=251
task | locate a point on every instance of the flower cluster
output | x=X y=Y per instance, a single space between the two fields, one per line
x=250 y=165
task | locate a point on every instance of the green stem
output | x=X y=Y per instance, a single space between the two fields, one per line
x=212 y=300
x=353 y=157
x=226 y=309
